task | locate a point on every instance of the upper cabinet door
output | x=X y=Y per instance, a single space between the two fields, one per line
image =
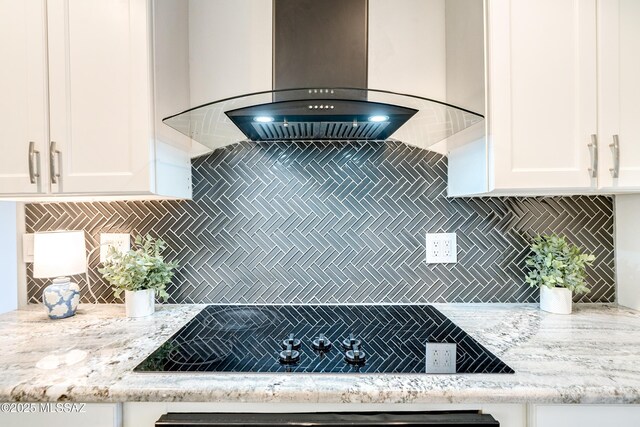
x=23 y=85
x=100 y=97
x=619 y=94
x=542 y=93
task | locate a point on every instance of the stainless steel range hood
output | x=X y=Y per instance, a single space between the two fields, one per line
x=320 y=89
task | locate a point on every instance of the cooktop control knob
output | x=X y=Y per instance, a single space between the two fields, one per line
x=289 y=356
x=348 y=343
x=355 y=356
x=291 y=341
x=321 y=343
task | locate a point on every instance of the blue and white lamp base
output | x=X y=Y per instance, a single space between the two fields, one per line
x=61 y=298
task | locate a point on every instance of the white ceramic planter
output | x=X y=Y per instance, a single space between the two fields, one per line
x=555 y=300
x=140 y=303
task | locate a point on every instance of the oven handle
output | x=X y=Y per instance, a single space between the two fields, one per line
x=406 y=419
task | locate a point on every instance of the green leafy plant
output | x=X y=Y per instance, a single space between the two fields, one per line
x=557 y=263
x=141 y=268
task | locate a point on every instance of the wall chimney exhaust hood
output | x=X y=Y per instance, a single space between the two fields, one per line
x=320 y=89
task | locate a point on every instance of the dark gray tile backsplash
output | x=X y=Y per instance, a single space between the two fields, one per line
x=322 y=222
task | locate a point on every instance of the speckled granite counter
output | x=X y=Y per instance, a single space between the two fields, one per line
x=592 y=356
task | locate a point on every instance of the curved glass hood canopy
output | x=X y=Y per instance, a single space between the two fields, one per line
x=323 y=114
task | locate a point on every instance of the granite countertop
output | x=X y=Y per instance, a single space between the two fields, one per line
x=591 y=356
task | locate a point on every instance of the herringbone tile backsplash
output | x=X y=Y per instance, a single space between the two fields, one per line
x=321 y=222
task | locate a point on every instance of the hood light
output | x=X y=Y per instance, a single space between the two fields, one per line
x=378 y=118
x=263 y=119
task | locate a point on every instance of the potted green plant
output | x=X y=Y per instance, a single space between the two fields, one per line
x=558 y=268
x=142 y=273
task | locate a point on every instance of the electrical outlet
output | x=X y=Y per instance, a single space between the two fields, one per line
x=441 y=248
x=121 y=241
x=441 y=358
x=27 y=247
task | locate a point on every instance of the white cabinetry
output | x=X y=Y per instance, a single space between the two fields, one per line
x=99 y=96
x=619 y=94
x=561 y=82
x=542 y=93
x=104 y=137
x=584 y=415
x=75 y=415
x=23 y=107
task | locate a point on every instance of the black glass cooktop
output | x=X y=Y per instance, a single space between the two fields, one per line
x=316 y=338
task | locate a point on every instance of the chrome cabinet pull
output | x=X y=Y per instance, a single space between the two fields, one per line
x=593 y=150
x=53 y=151
x=34 y=171
x=38 y=165
x=615 y=152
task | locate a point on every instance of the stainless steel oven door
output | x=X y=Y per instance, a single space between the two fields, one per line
x=432 y=419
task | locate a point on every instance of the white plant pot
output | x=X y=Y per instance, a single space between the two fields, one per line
x=555 y=300
x=140 y=303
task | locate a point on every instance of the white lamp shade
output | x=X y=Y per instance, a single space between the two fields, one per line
x=59 y=253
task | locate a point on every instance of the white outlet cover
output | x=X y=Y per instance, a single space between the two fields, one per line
x=440 y=358
x=441 y=248
x=27 y=247
x=121 y=241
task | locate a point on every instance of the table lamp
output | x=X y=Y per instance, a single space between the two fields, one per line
x=58 y=254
